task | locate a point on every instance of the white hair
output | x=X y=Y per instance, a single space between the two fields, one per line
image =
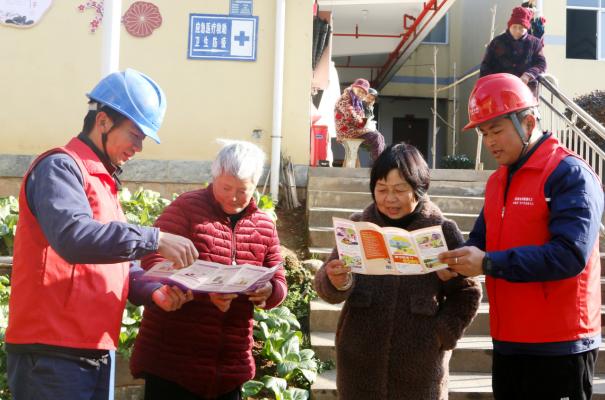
x=238 y=158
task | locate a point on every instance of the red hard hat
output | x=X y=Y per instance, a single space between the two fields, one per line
x=497 y=95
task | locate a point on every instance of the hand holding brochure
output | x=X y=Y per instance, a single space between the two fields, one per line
x=210 y=277
x=373 y=250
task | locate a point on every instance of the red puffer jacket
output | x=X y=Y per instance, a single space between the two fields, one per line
x=199 y=347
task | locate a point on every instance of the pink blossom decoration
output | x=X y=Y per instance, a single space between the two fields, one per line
x=142 y=18
x=98 y=7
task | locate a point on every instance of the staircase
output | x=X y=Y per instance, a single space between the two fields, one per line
x=459 y=195
x=340 y=192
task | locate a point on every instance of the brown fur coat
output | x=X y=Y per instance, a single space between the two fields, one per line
x=395 y=333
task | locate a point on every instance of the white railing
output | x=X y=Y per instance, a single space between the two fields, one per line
x=573 y=126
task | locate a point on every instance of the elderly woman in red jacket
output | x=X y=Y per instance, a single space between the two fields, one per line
x=202 y=350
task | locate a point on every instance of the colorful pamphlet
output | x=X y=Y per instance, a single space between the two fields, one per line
x=210 y=277
x=373 y=250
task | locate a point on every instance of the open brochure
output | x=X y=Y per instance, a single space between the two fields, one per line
x=373 y=250
x=210 y=277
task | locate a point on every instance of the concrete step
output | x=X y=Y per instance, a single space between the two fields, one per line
x=465 y=222
x=458 y=204
x=322 y=236
x=437 y=187
x=472 y=353
x=323 y=344
x=324 y=318
x=462 y=386
x=324 y=387
x=462 y=175
x=322 y=216
x=359 y=200
x=339 y=184
x=321 y=253
x=480 y=324
x=323 y=172
x=327 y=198
x=453 y=188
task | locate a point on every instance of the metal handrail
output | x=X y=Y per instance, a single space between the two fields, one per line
x=588 y=119
x=564 y=116
x=561 y=115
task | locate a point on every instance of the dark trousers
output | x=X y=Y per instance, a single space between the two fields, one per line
x=374 y=141
x=41 y=377
x=521 y=377
x=157 y=388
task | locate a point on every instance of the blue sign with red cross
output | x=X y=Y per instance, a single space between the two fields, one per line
x=222 y=37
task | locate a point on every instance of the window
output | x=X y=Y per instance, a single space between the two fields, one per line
x=438 y=34
x=582 y=3
x=585 y=29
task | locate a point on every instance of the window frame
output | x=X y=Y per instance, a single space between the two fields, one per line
x=447 y=32
x=600 y=10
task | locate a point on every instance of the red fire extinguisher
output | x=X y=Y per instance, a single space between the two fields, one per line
x=319 y=145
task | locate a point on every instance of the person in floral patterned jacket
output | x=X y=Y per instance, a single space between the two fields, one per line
x=350 y=118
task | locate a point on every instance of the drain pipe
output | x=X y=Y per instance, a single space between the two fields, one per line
x=540 y=6
x=278 y=91
x=110 y=61
x=110 y=57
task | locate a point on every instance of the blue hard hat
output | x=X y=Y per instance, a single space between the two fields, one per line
x=134 y=95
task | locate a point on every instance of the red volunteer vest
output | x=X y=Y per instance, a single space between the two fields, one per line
x=537 y=312
x=57 y=303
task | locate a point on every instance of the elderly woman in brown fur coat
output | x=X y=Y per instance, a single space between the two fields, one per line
x=395 y=332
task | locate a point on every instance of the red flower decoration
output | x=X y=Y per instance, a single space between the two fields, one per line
x=142 y=18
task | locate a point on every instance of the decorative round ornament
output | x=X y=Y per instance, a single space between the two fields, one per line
x=142 y=18
x=22 y=13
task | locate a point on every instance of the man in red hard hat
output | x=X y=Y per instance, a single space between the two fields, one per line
x=536 y=241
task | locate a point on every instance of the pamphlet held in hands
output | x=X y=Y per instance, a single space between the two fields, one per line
x=210 y=277
x=373 y=250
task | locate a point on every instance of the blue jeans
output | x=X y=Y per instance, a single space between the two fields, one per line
x=42 y=377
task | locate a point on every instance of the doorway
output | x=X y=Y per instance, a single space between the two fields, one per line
x=414 y=131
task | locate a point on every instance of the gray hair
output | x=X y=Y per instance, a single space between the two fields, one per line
x=238 y=158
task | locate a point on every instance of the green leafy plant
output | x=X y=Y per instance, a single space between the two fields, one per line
x=131 y=322
x=142 y=207
x=9 y=214
x=300 y=290
x=594 y=104
x=265 y=203
x=284 y=370
x=457 y=161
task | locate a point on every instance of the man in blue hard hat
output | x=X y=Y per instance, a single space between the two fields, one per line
x=73 y=247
